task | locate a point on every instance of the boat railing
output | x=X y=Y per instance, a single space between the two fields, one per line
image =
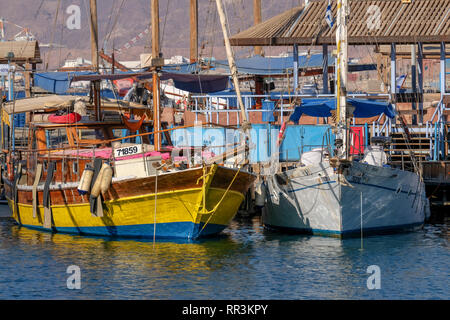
x=285 y=103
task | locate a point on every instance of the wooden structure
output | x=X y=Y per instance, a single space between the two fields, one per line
x=26 y=55
x=418 y=29
x=24 y=52
x=426 y=21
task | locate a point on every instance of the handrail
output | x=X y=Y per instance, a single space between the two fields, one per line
x=438 y=110
x=122 y=138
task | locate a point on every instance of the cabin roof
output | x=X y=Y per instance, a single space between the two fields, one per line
x=24 y=51
x=426 y=21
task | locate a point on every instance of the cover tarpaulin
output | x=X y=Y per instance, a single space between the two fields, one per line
x=56 y=82
x=275 y=65
x=280 y=65
x=322 y=108
x=196 y=83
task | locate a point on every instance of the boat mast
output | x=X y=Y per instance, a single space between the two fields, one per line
x=194 y=31
x=342 y=62
x=94 y=56
x=257 y=19
x=231 y=62
x=155 y=58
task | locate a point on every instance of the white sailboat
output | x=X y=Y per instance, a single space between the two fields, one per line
x=335 y=195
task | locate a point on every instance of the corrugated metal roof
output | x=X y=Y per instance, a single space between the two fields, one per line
x=426 y=21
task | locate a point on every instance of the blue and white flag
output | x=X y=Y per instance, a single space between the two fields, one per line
x=329 y=16
x=400 y=81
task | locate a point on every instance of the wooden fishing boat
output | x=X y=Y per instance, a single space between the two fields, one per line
x=79 y=177
x=148 y=196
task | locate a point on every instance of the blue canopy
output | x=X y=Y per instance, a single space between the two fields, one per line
x=59 y=82
x=259 y=65
x=323 y=107
x=278 y=65
x=56 y=82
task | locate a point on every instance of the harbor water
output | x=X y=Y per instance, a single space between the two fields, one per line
x=244 y=262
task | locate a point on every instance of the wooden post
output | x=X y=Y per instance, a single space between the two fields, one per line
x=94 y=57
x=28 y=85
x=257 y=18
x=94 y=35
x=194 y=31
x=155 y=55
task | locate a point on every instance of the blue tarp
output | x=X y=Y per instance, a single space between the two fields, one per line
x=322 y=108
x=56 y=82
x=267 y=66
x=197 y=83
x=59 y=82
x=259 y=65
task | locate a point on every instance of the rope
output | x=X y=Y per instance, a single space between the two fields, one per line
x=53 y=33
x=214 y=210
x=164 y=25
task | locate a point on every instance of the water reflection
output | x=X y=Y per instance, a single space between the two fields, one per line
x=246 y=262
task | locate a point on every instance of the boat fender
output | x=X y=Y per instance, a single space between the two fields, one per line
x=281 y=133
x=106 y=177
x=46 y=196
x=260 y=195
x=96 y=188
x=93 y=200
x=9 y=168
x=85 y=182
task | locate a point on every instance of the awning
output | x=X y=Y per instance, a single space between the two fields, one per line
x=59 y=82
x=323 y=107
x=258 y=65
x=56 y=82
x=196 y=83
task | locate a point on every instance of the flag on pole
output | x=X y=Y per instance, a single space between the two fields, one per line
x=329 y=16
x=401 y=81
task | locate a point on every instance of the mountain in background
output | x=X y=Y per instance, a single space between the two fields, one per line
x=122 y=25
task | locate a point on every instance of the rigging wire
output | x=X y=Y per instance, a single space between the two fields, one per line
x=115 y=22
x=53 y=34
x=109 y=23
x=39 y=9
x=164 y=24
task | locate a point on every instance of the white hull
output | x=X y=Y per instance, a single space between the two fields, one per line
x=317 y=200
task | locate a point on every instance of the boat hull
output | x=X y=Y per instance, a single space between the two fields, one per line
x=178 y=210
x=364 y=200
